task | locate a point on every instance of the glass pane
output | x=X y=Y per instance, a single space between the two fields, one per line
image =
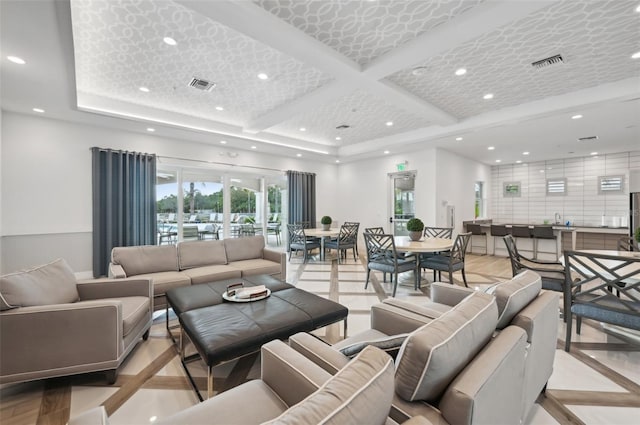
x=404 y=202
x=167 y=206
x=203 y=198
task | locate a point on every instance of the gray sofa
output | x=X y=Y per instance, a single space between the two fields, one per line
x=51 y=325
x=194 y=262
x=522 y=309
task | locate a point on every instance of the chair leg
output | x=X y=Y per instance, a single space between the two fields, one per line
x=464 y=279
x=567 y=338
x=395 y=285
x=578 y=324
x=450 y=276
x=366 y=283
x=434 y=275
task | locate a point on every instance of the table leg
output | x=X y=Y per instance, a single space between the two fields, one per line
x=209 y=382
x=345 y=327
x=322 y=248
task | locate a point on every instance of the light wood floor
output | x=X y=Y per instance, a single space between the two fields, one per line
x=597 y=382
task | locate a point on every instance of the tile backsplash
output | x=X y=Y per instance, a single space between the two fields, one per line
x=582 y=204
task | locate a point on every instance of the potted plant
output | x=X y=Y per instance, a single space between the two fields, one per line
x=415 y=226
x=326 y=222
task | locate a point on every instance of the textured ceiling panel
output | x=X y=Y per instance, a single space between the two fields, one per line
x=119 y=48
x=595 y=38
x=365 y=30
x=366 y=115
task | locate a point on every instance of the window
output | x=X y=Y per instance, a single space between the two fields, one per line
x=556 y=186
x=479 y=200
x=610 y=184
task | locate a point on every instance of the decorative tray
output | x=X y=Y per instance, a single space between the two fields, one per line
x=237 y=293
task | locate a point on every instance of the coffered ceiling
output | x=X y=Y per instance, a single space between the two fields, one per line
x=349 y=79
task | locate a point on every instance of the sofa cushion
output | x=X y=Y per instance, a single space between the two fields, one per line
x=360 y=393
x=52 y=283
x=255 y=266
x=201 y=253
x=246 y=248
x=137 y=260
x=435 y=353
x=163 y=281
x=515 y=294
x=133 y=311
x=211 y=273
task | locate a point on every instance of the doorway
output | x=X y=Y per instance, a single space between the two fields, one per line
x=402 y=201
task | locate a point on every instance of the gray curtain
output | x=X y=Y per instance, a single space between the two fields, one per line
x=124 y=203
x=302 y=197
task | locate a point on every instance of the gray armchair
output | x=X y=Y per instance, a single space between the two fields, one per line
x=68 y=327
x=293 y=390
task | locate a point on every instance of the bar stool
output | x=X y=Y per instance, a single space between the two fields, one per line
x=497 y=231
x=476 y=230
x=542 y=232
x=521 y=232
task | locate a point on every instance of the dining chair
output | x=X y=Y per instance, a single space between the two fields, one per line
x=382 y=256
x=451 y=261
x=345 y=240
x=274 y=229
x=438 y=232
x=553 y=273
x=590 y=295
x=298 y=241
x=374 y=230
x=357 y=224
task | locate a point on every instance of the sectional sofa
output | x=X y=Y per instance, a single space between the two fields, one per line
x=194 y=262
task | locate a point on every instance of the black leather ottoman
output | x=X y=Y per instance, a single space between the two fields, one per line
x=188 y=298
x=222 y=331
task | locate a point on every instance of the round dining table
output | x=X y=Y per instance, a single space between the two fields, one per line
x=424 y=245
x=322 y=234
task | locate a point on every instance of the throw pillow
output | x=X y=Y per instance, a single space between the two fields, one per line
x=435 y=353
x=515 y=294
x=52 y=283
x=360 y=393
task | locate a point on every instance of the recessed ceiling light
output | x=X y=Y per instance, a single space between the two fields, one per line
x=389 y=123
x=17 y=60
x=170 y=41
x=636 y=55
x=518 y=162
x=576 y=117
x=219 y=108
x=254 y=147
x=298 y=155
x=491 y=148
x=303 y=129
x=461 y=71
x=419 y=70
x=542 y=171
x=338 y=138
x=593 y=153
x=144 y=89
x=458 y=138
x=150 y=129
x=385 y=152
x=224 y=142
x=263 y=76
x=498 y=160
x=488 y=96
x=40 y=110
x=525 y=153
x=337 y=161
x=638 y=9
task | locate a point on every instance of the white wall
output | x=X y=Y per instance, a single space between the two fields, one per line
x=46 y=183
x=582 y=205
x=363 y=194
x=455 y=185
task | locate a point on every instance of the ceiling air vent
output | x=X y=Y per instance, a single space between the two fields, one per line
x=587 y=139
x=343 y=127
x=201 y=84
x=544 y=63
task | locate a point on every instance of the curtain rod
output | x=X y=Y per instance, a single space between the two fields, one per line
x=220 y=163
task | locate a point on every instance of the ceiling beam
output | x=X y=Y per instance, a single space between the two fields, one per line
x=259 y=24
x=480 y=19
